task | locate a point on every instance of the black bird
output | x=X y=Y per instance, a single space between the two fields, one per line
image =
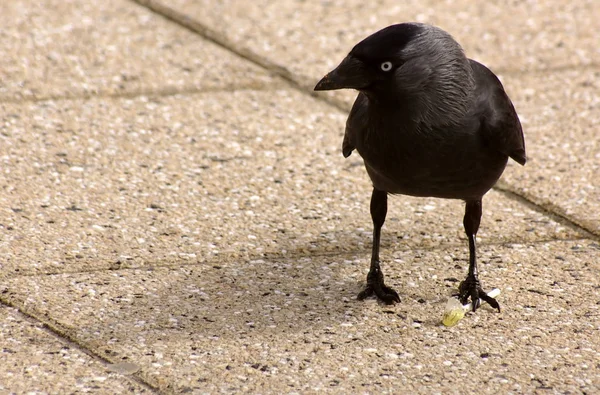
x=427 y=121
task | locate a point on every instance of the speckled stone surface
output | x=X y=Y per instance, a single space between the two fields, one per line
x=34 y=361
x=66 y=48
x=293 y=325
x=176 y=219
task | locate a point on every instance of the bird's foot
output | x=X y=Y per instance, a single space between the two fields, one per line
x=472 y=288
x=375 y=286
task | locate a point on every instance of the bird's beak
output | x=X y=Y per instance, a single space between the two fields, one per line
x=350 y=74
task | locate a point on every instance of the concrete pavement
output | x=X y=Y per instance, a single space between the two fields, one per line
x=177 y=215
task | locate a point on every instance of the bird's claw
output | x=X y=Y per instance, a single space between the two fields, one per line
x=375 y=286
x=471 y=288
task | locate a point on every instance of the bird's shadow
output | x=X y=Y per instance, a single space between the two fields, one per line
x=238 y=298
x=260 y=296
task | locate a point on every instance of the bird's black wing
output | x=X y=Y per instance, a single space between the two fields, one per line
x=355 y=125
x=500 y=124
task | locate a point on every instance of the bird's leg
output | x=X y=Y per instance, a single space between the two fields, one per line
x=375 y=283
x=471 y=286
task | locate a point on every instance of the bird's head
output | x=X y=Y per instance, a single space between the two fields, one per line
x=415 y=65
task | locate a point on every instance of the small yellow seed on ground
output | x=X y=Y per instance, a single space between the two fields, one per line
x=453 y=313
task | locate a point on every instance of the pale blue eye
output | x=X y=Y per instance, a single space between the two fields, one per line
x=386 y=66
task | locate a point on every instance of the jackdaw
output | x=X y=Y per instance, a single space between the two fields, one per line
x=427 y=121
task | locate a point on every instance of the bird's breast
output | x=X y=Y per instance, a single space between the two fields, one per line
x=439 y=164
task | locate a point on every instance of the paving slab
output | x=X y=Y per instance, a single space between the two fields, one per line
x=34 y=361
x=214 y=240
x=109 y=183
x=561 y=118
x=72 y=48
x=308 y=38
x=293 y=325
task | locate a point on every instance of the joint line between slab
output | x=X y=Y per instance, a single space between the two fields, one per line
x=165 y=92
x=549 y=209
x=55 y=330
x=244 y=53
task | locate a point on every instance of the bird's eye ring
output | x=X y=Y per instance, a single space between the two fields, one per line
x=386 y=66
